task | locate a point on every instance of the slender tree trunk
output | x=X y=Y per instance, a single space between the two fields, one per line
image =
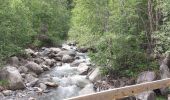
x=150 y=17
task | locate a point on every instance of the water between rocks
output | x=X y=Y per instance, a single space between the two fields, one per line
x=71 y=83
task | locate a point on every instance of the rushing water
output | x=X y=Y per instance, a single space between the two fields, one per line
x=70 y=82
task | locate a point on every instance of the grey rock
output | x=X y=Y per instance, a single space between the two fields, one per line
x=43 y=86
x=38 y=60
x=51 y=84
x=29 y=51
x=65 y=52
x=164 y=73
x=13 y=76
x=88 y=89
x=146 y=76
x=31 y=80
x=83 y=69
x=14 y=61
x=94 y=75
x=34 y=67
x=55 y=50
x=149 y=95
x=77 y=62
x=7 y=92
x=45 y=68
x=23 y=69
x=67 y=59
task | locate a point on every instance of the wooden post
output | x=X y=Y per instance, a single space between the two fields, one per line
x=122 y=92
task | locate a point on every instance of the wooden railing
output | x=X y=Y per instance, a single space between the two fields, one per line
x=122 y=92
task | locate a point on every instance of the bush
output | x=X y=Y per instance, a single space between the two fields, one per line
x=21 y=20
x=121 y=55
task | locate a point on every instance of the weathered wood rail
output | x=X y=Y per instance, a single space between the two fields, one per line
x=122 y=92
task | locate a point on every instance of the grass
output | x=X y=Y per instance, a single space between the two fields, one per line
x=160 y=98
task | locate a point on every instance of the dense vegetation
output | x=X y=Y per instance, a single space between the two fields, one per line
x=128 y=35
x=31 y=22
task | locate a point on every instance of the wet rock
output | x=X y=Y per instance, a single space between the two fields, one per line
x=58 y=58
x=88 y=89
x=7 y=92
x=38 y=90
x=94 y=75
x=67 y=59
x=146 y=77
x=80 y=81
x=83 y=69
x=149 y=95
x=34 y=67
x=77 y=62
x=45 y=68
x=43 y=86
x=65 y=52
x=23 y=69
x=31 y=98
x=58 y=64
x=13 y=76
x=31 y=80
x=51 y=84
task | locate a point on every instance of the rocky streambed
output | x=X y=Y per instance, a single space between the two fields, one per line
x=52 y=73
x=57 y=73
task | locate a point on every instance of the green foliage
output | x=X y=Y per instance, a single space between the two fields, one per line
x=117 y=29
x=21 y=20
x=4 y=83
x=122 y=55
x=162 y=36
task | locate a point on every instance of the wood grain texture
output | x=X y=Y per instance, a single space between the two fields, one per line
x=122 y=92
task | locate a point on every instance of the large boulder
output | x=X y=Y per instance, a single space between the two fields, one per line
x=94 y=75
x=67 y=59
x=149 y=95
x=66 y=52
x=166 y=61
x=14 y=61
x=164 y=73
x=7 y=92
x=83 y=69
x=34 y=67
x=146 y=76
x=14 y=78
